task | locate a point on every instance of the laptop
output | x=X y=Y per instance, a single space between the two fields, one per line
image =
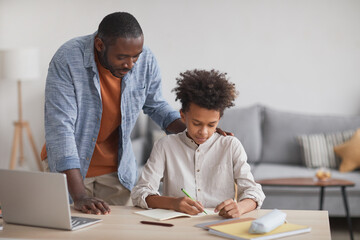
x=38 y=199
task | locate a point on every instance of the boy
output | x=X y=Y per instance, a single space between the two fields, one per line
x=198 y=159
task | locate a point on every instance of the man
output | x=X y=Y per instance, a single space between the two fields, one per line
x=95 y=89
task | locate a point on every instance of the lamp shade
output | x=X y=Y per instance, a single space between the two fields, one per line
x=19 y=64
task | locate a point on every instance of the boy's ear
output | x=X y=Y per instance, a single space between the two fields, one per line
x=182 y=115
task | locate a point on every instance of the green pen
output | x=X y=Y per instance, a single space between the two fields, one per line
x=183 y=190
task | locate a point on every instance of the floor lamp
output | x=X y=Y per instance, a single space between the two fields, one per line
x=20 y=65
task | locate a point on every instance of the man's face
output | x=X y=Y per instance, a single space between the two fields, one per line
x=119 y=58
x=200 y=122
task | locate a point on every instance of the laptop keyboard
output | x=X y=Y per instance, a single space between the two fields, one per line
x=77 y=221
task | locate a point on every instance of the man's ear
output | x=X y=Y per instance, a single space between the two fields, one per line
x=99 y=44
x=182 y=115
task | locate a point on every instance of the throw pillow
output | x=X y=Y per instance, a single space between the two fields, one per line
x=349 y=153
x=318 y=149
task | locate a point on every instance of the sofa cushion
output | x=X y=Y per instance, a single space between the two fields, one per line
x=245 y=123
x=281 y=128
x=317 y=150
x=350 y=153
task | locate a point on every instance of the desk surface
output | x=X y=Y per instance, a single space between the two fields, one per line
x=122 y=223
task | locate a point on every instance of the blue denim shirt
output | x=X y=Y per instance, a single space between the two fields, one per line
x=73 y=107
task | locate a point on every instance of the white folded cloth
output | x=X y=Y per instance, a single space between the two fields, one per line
x=268 y=222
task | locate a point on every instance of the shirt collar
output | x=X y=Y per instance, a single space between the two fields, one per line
x=191 y=143
x=89 y=53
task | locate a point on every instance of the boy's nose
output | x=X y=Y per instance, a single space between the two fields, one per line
x=203 y=131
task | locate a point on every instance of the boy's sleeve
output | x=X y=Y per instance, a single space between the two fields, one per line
x=247 y=187
x=150 y=177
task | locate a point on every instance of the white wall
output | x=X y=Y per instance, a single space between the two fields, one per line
x=301 y=55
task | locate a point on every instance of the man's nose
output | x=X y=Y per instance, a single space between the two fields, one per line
x=129 y=63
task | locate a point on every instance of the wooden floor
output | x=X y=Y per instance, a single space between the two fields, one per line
x=339 y=228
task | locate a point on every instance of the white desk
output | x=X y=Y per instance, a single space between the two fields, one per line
x=122 y=223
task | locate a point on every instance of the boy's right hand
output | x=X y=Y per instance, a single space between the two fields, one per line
x=187 y=205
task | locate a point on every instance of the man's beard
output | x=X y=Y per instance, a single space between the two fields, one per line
x=105 y=63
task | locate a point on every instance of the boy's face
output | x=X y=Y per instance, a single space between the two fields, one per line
x=200 y=122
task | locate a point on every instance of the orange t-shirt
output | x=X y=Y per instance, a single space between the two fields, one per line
x=105 y=157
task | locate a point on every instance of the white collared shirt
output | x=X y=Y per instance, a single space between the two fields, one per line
x=206 y=171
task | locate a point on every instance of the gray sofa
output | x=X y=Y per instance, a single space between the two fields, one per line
x=269 y=137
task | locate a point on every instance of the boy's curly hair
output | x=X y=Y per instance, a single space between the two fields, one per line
x=207 y=89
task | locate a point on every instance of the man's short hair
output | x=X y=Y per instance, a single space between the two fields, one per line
x=118 y=25
x=207 y=89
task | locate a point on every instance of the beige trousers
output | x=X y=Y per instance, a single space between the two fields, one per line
x=106 y=187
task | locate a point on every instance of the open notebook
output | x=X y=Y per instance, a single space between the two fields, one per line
x=164 y=214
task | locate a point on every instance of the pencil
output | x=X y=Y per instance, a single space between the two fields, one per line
x=183 y=190
x=157 y=223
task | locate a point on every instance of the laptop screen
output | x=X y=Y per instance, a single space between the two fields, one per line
x=35 y=198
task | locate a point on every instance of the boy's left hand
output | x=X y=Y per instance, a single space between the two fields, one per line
x=229 y=209
x=221 y=132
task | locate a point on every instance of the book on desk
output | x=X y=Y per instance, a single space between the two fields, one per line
x=239 y=229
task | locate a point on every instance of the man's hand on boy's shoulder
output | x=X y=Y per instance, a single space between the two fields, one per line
x=221 y=132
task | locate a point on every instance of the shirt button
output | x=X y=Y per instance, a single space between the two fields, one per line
x=87 y=158
x=198 y=150
x=198 y=189
x=198 y=170
x=93 y=139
